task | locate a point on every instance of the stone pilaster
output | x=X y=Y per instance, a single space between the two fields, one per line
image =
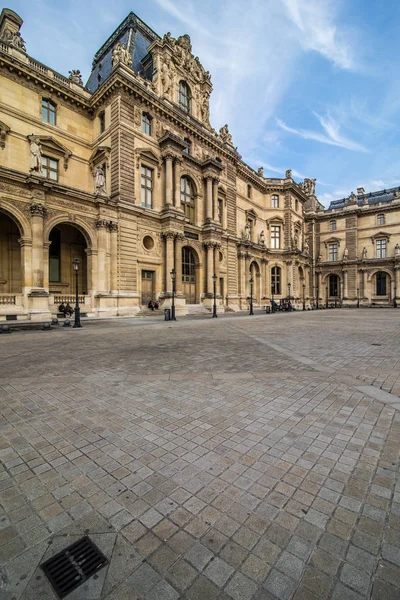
x=169 y=259
x=113 y=228
x=38 y=212
x=178 y=262
x=102 y=275
x=177 y=166
x=168 y=179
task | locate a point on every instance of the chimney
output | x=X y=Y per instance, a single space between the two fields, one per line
x=360 y=191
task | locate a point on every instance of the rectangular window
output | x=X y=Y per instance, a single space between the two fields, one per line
x=380 y=219
x=220 y=210
x=333 y=252
x=102 y=122
x=275 y=237
x=147 y=187
x=380 y=248
x=146 y=124
x=275 y=201
x=48 y=112
x=50 y=168
x=332 y=226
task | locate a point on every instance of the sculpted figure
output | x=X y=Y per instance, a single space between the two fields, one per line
x=397 y=250
x=18 y=42
x=346 y=253
x=306 y=247
x=260 y=171
x=126 y=58
x=247 y=231
x=319 y=259
x=35 y=164
x=76 y=77
x=205 y=108
x=225 y=135
x=116 y=54
x=166 y=80
x=364 y=253
x=288 y=174
x=100 y=182
x=262 y=238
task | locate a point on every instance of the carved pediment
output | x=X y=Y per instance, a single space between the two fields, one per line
x=4 y=131
x=275 y=219
x=100 y=155
x=53 y=147
x=148 y=156
x=332 y=240
x=380 y=235
x=251 y=214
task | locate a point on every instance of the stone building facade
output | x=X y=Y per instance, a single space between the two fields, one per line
x=127 y=175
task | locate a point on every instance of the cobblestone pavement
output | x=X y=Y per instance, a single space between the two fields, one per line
x=243 y=458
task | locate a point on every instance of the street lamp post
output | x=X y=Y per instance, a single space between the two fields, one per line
x=77 y=323
x=358 y=297
x=395 y=294
x=326 y=297
x=317 y=295
x=214 y=315
x=173 y=277
x=289 y=286
x=251 y=296
x=272 y=297
x=304 y=296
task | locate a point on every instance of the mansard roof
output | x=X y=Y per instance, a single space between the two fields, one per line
x=367 y=199
x=136 y=35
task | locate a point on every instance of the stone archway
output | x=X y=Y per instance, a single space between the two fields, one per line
x=11 y=268
x=255 y=274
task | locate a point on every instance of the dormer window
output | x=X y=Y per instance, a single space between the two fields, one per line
x=380 y=219
x=146 y=124
x=48 y=111
x=184 y=96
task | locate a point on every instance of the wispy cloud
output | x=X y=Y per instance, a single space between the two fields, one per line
x=332 y=136
x=315 y=20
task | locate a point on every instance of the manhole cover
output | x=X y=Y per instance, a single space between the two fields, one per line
x=73 y=566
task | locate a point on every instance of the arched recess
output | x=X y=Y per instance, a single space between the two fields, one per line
x=255 y=274
x=190 y=274
x=382 y=283
x=11 y=257
x=67 y=241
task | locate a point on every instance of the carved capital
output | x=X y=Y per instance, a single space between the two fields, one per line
x=38 y=210
x=168 y=235
x=113 y=226
x=102 y=224
x=208 y=245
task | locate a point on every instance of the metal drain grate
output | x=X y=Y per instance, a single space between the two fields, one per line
x=73 y=566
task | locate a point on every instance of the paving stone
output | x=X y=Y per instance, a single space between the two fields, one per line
x=391 y=553
x=201 y=589
x=218 y=571
x=355 y=578
x=279 y=585
x=181 y=575
x=241 y=587
x=198 y=555
x=290 y=565
x=143 y=579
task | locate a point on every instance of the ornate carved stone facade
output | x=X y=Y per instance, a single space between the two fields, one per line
x=128 y=175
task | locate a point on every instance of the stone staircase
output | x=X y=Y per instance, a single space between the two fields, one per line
x=197 y=309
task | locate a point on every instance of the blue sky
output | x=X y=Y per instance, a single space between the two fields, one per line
x=311 y=85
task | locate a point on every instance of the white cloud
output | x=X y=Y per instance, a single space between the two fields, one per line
x=332 y=137
x=315 y=21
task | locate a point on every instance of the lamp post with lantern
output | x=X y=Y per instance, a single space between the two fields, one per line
x=304 y=296
x=173 y=277
x=251 y=296
x=214 y=315
x=77 y=323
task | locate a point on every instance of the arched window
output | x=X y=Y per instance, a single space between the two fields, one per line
x=275 y=201
x=332 y=225
x=333 y=286
x=187 y=199
x=146 y=123
x=275 y=281
x=381 y=283
x=48 y=111
x=184 y=96
x=380 y=219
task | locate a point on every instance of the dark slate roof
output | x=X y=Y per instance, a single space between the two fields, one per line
x=370 y=199
x=136 y=35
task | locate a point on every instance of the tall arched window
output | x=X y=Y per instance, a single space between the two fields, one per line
x=275 y=201
x=333 y=286
x=184 y=96
x=187 y=199
x=381 y=283
x=275 y=281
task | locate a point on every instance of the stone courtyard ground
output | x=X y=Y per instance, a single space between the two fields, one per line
x=243 y=458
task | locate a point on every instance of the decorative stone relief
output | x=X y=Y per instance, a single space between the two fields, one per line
x=100 y=182
x=76 y=77
x=35 y=162
x=224 y=135
x=14 y=39
x=122 y=55
x=4 y=131
x=308 y=186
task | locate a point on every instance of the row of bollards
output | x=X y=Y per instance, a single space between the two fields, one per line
x=47 y=326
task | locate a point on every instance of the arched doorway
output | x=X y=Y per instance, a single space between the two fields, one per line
x=276 y=281
x=334 y=286
x=66 y=243
x=189 y=275
x=10 y=258
x=255 y=275
x=381 y=284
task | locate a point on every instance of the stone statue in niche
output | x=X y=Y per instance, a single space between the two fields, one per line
x=346 y=253
x=76 y=77
x=35 y=163
x=166 y=79
x=319 y=259
x=260 y=171
x=306 y=247
x=364 y=253
x=397 y=250
x=205 y=107
x=100 y=182
x=225 y=135
x=296 y=239
x=262 y=238
x=247 y=231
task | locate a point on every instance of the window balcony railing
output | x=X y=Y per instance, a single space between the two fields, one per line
x=7 y=299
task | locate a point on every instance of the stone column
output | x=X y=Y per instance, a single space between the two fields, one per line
x=264 y=280
x=168 y=180
x=26 y=264
x=102 y=279
x=246 y=274
x=178 y=262
x=210 y=267
x=178 y=162
x=397 y=280
x=169 y=259
x=92 y=271
x=215 y=198
x=113 y=227
x=38 y=212
x=46 y=248
x=345 y=292
x=209 y=210
x=216 y=266
x=240 y=273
